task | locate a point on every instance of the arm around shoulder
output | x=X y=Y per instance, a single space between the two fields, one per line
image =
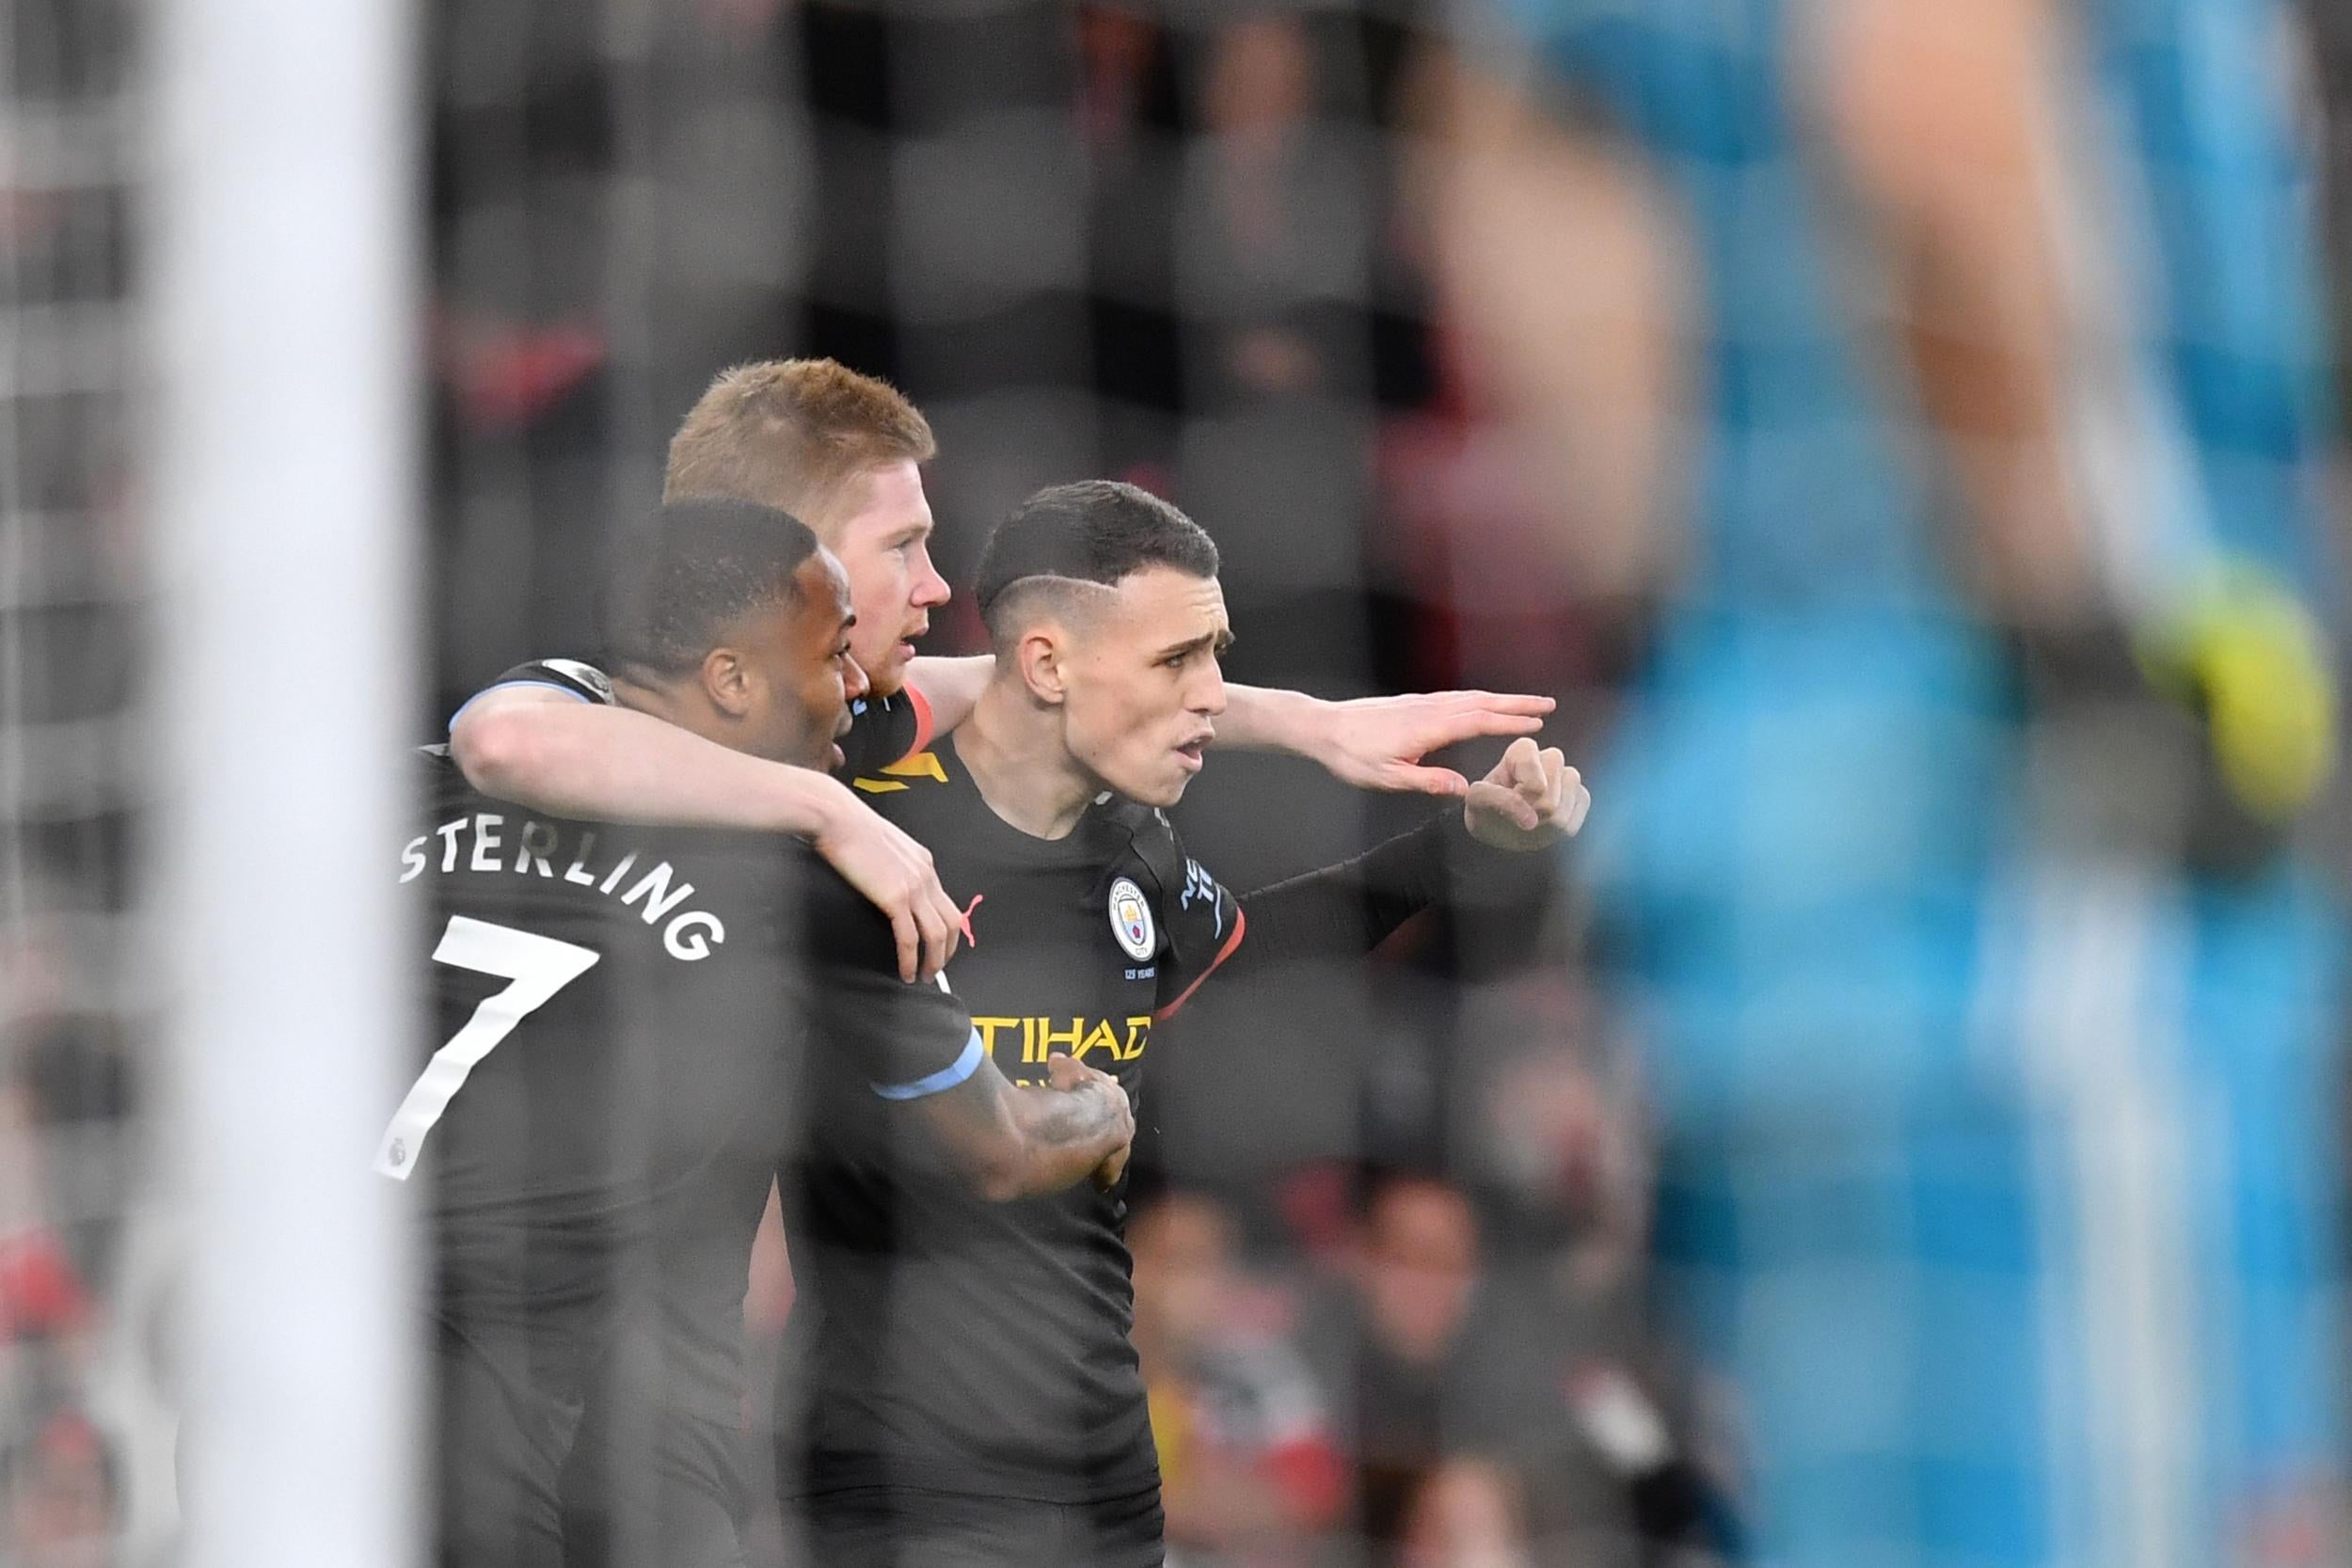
x=541 y=747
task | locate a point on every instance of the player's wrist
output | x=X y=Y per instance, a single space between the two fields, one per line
x=1277 y=720
x=813 y=805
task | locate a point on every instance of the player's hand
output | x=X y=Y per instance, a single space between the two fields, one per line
x=1377 y=742
x=1069 y=1074
x=897 y=877
x=1531 y=798
x=2248 y=658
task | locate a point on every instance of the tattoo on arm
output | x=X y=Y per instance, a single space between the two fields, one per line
x=1067 y=1118
x=1021 y=1142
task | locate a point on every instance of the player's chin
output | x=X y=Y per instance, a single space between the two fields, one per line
x=1160 y=786
x=887 y=675
x=1171 y=789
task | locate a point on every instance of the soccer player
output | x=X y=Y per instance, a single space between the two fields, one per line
x=972 y=1396
x=844 y=452
x=1986 y=1037
x=591 y=1137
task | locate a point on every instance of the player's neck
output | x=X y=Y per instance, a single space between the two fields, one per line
x=670 y=708
x=1014 y=749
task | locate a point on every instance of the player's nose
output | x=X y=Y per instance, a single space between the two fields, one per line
x=854 y=682
x=1208 y=698
x=930 y=589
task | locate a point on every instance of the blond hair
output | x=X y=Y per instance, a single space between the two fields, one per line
x=793 y=434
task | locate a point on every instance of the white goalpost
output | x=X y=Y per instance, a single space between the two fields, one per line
x=282 y=258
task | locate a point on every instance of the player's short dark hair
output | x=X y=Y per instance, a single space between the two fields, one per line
x=1095 y=530
x=688 y=573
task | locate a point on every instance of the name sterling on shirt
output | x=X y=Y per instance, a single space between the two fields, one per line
x=539 y=844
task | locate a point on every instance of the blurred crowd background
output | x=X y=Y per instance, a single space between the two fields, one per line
x=1736 y=370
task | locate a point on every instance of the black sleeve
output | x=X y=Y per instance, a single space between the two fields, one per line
x=885 y=730
x=1202 y=920
x=1345 y=911
x=911 y=1039
x=582 y=679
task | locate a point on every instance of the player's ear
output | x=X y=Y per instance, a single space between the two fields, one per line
x=727 y=681
x=1042 y=656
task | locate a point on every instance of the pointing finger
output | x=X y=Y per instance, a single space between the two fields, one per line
x=1469 y=723
x=1516 y=703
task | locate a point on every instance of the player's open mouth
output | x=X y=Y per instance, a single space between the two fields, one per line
x=1190 y=750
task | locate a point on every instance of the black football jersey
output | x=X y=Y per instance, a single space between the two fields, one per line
x=946 y=1342
x=619 y=1019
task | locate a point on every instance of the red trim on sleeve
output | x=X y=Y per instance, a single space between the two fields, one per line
x=1241 y=924
x=922 y=722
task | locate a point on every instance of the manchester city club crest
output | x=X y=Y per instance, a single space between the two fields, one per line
x=1131 y=919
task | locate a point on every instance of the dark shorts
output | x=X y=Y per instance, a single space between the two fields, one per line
x=641 y=1494
x=506 y=1403
x=897 y=1526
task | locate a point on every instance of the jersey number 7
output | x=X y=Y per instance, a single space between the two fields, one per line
x=538 y=966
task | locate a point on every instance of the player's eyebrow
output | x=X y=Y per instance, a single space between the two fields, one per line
x=1218 y=640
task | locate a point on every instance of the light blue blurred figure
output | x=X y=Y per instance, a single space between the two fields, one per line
x=1998 y=1175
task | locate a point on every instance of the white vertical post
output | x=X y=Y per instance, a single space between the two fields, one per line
x=282 y=266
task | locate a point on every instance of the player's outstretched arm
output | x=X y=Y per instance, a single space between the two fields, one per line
x=542 y=747
x=1371 y=742
x=1022 y=1141
x=1531 y=798
x=1377 y=742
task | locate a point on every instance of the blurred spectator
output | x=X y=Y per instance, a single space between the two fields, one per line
x=62 y=1495
x=1249 y=1474
x=1424 y=1359
x=42 y=1295
x=74 y=1073
x=1465 y=1513
x=1556 y=1132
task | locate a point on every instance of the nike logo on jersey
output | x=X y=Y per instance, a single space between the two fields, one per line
x=1199 y=884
